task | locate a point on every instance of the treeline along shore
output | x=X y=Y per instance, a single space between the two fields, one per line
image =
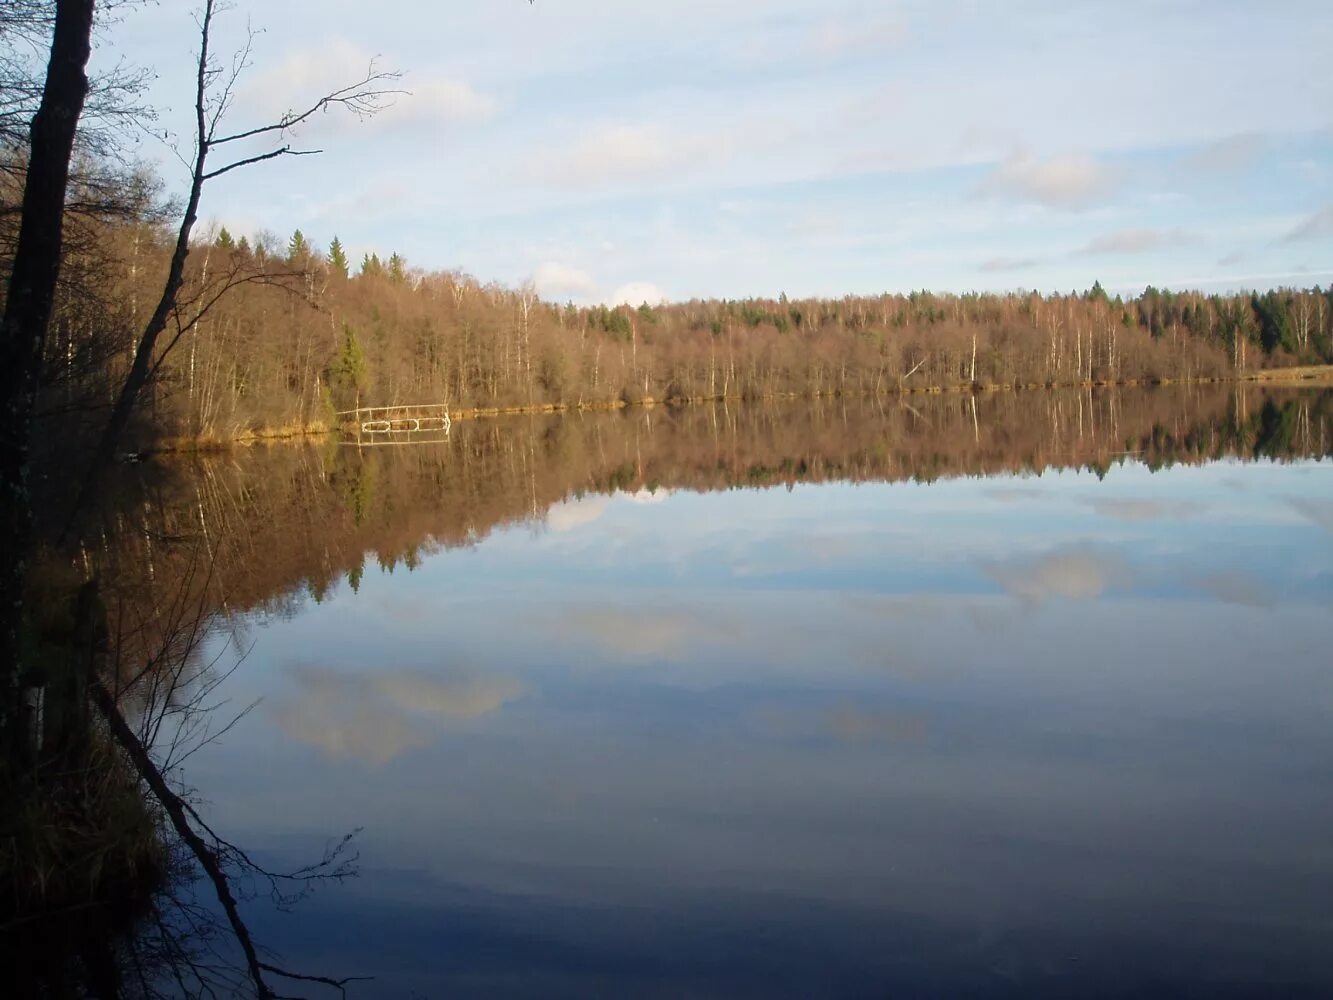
x=276 y=337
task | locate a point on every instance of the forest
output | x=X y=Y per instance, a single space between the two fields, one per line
x=276 y=337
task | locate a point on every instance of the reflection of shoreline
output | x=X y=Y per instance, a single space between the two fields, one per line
x=299 y=517
x=1310 y=376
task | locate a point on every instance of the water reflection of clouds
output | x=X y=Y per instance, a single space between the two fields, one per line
x=570 y=514
x=925 y=701
x=721 y=636
x=860 y=725
x=1234 y=587
x=567 y=515
x=1014 y=494
x=1314 y=510
x=1077 y=572
x=643 y=633
x=844 y=721
x=375 y=717
x=1131 y=509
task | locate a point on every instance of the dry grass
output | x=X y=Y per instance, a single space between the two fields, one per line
x=1313 y=374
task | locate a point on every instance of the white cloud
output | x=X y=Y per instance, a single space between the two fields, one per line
x=636 y=293
x=1131 y=241
x=1072 y=181
x=612 y=153
x=439 y=100
x=556 y=280
x=307 y=73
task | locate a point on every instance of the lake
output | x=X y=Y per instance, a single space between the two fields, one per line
x=1020 y=694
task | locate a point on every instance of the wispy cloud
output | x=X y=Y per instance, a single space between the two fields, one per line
x=1317 y=227
x=1132 y=241
x=1001 y=264
x=838 y=38
x=1232 y=153
x=438 y=100
x=610 y=153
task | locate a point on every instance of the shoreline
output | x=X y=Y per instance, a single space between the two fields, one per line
x=1310 y=376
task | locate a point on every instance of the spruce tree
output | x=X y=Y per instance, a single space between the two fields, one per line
x=297 y=248
x=338 y=258
x=349 y=373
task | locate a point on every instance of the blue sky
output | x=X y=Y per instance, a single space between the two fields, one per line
x=621 y=149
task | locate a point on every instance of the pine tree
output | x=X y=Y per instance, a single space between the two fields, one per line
x=338 y=258
x=297 y=248
x=397 y=269
x=224 y=240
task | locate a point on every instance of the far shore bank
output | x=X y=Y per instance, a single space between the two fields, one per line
x=1304 y=376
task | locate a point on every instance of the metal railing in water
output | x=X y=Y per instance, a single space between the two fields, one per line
x=408 y=418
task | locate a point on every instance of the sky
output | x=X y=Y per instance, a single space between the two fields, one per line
x=624 y=150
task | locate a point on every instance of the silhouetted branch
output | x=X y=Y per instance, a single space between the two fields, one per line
x=210 y=858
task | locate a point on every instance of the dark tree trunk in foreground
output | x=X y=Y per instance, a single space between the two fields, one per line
x=32 y=285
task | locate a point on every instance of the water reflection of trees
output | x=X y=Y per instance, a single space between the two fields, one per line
x=290 y=521
x=114 y=882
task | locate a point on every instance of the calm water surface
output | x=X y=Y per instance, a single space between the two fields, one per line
x=996 y=734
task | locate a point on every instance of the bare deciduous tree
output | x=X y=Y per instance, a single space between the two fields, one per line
x=214 y=93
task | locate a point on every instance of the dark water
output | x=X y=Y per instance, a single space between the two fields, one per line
x=855 y=699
